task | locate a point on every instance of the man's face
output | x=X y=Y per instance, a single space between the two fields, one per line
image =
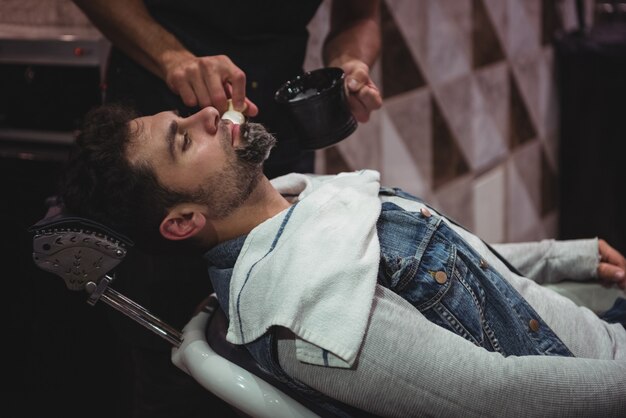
x=215 y=161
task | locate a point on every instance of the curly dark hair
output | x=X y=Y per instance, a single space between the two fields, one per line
x=99 y=182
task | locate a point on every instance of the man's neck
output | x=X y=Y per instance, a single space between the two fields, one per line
x=263 y=203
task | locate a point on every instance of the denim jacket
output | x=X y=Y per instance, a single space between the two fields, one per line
x=432 y=267
x=426 y=262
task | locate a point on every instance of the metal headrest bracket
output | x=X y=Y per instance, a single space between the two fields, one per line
x=83 y=253
x=77 y=255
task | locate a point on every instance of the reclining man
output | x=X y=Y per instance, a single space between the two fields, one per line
x=353 y=292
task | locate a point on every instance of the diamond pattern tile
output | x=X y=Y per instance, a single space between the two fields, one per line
x=486 y=47
x=523 y=27
x=447 y=55
x=448 y=160
x=400 y=71
x=470 y=117
x=493 y=84
x=526 y=160
x=398 y=168
x=411 y=115
x=522 y=129
x=489 y=205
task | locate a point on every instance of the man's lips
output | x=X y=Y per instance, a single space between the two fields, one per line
x=235 y=134
x=234 y=131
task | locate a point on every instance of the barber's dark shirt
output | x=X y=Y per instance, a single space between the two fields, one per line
x=266 y=39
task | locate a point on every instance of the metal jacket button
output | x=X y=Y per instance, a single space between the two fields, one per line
x=425 y=212
x=533 y=324
x=441 y=277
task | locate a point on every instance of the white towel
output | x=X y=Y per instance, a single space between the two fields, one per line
x=312 y=268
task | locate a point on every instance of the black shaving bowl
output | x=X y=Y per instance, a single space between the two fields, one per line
x=317 y=104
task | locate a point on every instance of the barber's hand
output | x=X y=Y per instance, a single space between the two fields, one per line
x=612 y=266
x=363 y=95
x=209 y=81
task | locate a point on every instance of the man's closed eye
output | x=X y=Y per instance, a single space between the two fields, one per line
x=186 y=141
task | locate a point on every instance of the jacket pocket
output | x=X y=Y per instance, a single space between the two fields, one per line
x=439 y=285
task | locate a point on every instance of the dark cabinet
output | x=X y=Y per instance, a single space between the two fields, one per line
x=591 y=71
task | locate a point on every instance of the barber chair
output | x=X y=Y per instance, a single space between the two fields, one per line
x=85 y=253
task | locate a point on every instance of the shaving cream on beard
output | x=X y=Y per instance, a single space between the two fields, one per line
x=258 y=143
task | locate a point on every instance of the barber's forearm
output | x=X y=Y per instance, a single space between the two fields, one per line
x=354 y=32
x=131 y=28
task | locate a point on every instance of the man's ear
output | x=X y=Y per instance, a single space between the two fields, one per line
x=181 y=223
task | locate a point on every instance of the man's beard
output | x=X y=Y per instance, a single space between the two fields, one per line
x=258 y=143
x=231 y=187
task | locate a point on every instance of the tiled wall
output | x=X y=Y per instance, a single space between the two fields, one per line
x=469 y=120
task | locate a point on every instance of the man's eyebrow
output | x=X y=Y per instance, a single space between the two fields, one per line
x=170 y=137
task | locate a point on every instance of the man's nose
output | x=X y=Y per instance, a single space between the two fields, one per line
x=209 y=117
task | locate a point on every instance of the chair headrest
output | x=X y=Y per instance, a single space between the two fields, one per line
x=77 y=249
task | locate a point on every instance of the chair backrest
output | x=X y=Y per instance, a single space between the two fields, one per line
x=84 y=253
x=245 y=376
x=230 y=372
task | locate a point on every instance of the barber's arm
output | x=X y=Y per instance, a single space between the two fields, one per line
x=353 y=44
x=199 y=81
